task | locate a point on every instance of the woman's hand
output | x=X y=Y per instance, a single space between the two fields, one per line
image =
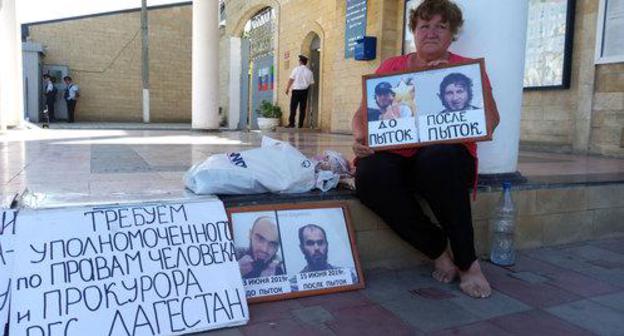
x=360 y=149
x=359 y=133
x=392 y=112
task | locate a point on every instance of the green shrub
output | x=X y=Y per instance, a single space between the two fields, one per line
x=268 y=110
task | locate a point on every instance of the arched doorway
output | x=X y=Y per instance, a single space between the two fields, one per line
x=312 y=48
x=258 y=65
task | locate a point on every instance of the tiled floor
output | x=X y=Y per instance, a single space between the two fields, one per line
x=91 y=165
x=534 y=297
x=108 y=164
x=567 y=290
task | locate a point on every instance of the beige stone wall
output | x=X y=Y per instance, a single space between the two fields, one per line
x=546 y=217
x=549 y=116
x=297 y=24
x=348 y=72
x=607 y=136
x=589 y=117
x=104 y=57
x=170 y=33
x=340 y=82
x=105 y=61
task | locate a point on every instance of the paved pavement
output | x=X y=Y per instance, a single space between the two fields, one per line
x=567 y=290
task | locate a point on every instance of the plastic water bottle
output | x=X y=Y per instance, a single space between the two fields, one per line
x=503 y=226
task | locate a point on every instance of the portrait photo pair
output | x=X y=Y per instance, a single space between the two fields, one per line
x=445 y=104
x=287 y=251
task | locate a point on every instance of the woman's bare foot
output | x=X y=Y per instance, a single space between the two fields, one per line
x=444 y=270
x=473 y=282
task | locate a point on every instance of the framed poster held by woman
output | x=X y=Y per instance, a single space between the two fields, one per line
x=445 y=104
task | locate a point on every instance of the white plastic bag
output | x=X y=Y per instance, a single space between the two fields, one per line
x=334 y=162
x=275 y=167
x=326 y=180
x=331 y=168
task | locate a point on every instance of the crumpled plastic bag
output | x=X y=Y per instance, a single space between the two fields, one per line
x=331 y=167
x=326 y=180
x=275 y=167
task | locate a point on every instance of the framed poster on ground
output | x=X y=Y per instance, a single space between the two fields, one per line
x=286 y=251
x=446 y=104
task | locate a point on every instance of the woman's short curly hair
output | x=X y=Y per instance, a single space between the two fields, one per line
x=448 y=10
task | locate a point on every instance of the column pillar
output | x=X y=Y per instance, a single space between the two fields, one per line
x=496 y=30
x=11 y=83
x=234 y=101
x=205 y=71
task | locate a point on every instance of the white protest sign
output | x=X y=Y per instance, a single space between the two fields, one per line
x=8 y=219
x=389 y=132
x=268 y=285
x=158 y=269
x=325 y=279
x=453 y=125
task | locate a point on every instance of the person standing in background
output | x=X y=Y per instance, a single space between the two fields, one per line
x=300 y=80
x=72 y=92
x=50 y=95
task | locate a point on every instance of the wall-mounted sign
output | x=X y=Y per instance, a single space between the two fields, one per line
x=260 y=33
x=549 y=44
x=446 y=104
x=287 y=251
x=610 y=40
x=355 y=26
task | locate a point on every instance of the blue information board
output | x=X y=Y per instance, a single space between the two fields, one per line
x=355 y=26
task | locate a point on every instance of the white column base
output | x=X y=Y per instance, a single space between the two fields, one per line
x=146 y=106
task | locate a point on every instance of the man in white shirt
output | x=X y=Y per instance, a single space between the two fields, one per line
x=300 y=80
x=50 y=96
x=71 y=96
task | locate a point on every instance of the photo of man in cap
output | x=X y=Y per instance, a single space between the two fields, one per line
x=384 y=98
x=300 y=80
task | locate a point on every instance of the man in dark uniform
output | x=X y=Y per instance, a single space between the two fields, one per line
x=300 y=80
x=71 y=97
